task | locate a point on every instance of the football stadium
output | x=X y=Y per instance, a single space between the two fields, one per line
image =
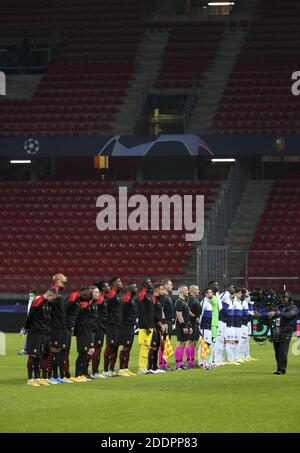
x=150 y=230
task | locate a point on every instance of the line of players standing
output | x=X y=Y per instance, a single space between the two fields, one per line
x=108 y=310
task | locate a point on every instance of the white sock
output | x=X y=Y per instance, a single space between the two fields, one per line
x=242 y=346
x=200 y=361
x=230 y=352
x=237 y=351
x=212 y=350
x=247 y=347
x=218 y=350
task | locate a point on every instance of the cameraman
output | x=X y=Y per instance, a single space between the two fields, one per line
x=282 y=331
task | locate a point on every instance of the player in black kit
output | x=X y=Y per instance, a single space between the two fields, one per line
x=146 y=324
x=113 y=325
x=183 y=329
x=127 y=328
x=72 y=306
x=94 y=325
x=195 y=312
x=57 y=337
x=158 y=330
x=104 y=289
x=168 y=314
x=84 y=331
x=38 y=327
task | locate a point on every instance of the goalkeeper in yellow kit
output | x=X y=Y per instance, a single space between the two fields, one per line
x=146 y=324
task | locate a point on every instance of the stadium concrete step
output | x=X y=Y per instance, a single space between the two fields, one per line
x=21 y=86
x=148 y=64
x=214 y=82
x=245 y=221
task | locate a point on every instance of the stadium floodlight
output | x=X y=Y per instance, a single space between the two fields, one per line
x=223 y=160
x=221 y=3
x=20 y=161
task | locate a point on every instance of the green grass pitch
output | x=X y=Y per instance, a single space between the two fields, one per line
x=246 y=398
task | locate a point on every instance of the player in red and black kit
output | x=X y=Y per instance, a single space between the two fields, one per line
x=104 y=289
x=72 y=307
x=38 y=327
x=94 y=324
x=158 y=330
x=83 y=330
x=114 y=321
x=168 y=315
x=57 y=348
x=127 y=328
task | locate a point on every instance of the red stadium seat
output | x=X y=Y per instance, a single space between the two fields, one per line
x=275 y=249
x=43 y=232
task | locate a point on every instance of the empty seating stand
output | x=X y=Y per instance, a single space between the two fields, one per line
x=50 y=227
x=188 y=53
x=85 y=84
x=274 y=257
x=258 y=96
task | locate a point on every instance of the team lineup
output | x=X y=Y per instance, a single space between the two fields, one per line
x=212 y=329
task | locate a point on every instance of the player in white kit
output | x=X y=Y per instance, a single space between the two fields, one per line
x=247 y=296
x=244 y=341
x=229 y=333
x=205 y=327
x=220 y=345
x=237 y=324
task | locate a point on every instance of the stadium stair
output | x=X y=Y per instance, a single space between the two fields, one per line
x=214 y=81
x=245 y=221
x=21 y=86
x=189 y=52
x=148 y=64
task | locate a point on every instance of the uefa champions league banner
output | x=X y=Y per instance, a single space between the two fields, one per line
x=163 y=145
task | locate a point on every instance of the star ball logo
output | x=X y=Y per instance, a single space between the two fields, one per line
x=2 y=84
x=31 y=146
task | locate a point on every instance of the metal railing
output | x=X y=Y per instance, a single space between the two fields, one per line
x=212 y=254
x=189 y=105
x=222 y=212
x=212 y=264
x=272 y=268
x=276 y=269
